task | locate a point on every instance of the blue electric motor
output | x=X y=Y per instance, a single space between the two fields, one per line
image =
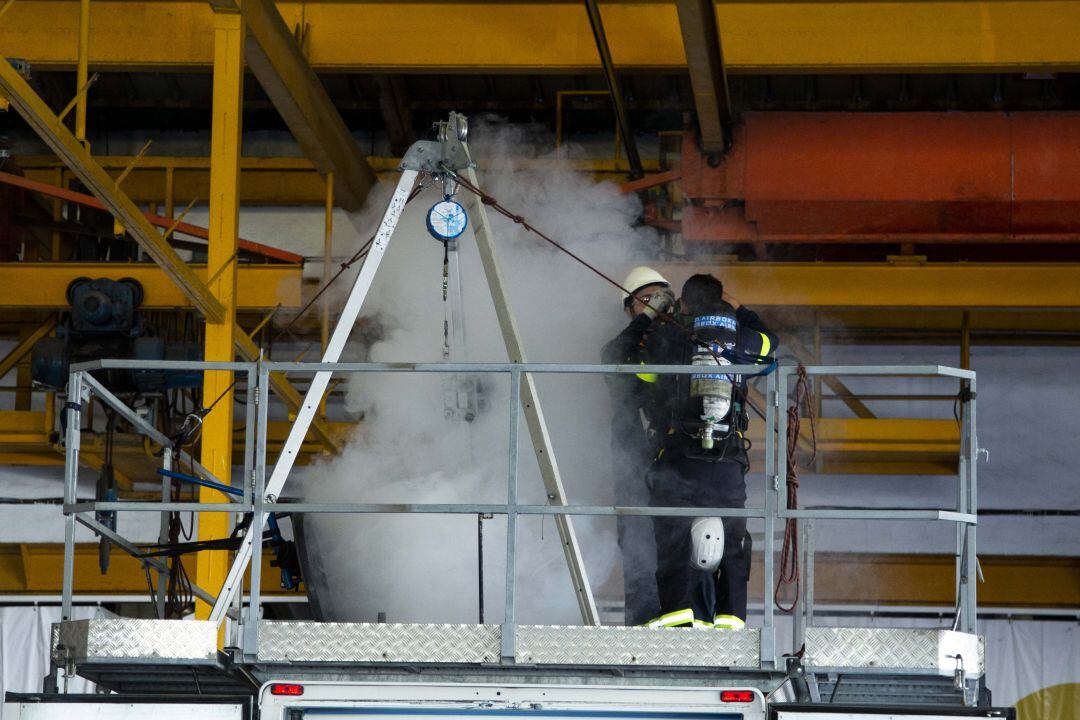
x=104 y=322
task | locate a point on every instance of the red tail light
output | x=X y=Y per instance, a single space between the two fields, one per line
x=737 y=696
x=292 y=689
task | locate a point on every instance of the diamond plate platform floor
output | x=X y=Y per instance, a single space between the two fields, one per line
x=562 y=645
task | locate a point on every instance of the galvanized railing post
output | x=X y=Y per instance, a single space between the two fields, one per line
x=773 y=383
x=960 y=582
x=508 y=630
x=72 y=437
x=246 y=622
x=259 y=388
x=798 y=616
x=971 y=560
x=808 y=570
x=163 y=532
x=250 y=408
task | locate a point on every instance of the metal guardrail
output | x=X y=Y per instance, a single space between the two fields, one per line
x=254 y=501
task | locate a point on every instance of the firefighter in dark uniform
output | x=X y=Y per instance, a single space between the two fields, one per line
x=702 y=461
x=633 y=442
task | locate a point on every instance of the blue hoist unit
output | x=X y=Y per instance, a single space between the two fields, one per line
x=103 y=321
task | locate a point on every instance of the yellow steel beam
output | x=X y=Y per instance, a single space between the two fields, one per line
x=211 y=566
x=909 y=579
x=856 y=290
x=932 y=323
x=56 y=135
x=19 y=351
x=871 y=436
x=36 y=568
x=19 y=444
x=25 y=440
x=276 y=60
x=44 y=285
x=899 y=579
x=554 y=36
x=268 y=181
x=708 y=77
x=968 y=286
x=867 y=445
x=877 y=446
x=888 y=435
x=25 y=431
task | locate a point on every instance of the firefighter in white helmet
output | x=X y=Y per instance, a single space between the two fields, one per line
x=632 y=445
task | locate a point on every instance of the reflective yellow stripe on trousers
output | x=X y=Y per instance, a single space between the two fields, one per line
x=728 y=622
x=671 y=619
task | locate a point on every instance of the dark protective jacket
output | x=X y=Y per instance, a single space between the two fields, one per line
x=672 y=343
x=633 y=447
x=628 y=397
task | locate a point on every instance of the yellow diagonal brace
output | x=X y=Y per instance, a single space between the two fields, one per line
x=248 y=350
x=262 y=323
x=134 y=161
x=38 y=115
x=708 y=79
x=75 y=100
x=275 y=58
x=834 y=383
x=180 y=218
x=20 y=350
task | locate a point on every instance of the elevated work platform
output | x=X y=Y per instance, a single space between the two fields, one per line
x=126 y=654
x=123 y=641
x=115 y=651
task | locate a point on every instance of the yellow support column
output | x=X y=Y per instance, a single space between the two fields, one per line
x=212 y=566
x=82 y=70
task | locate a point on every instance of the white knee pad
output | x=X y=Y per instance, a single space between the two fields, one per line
x=707 y=543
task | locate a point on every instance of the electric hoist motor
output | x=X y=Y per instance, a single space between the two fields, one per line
x=104 y=322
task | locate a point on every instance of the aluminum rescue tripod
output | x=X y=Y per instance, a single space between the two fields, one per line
x=449 y=153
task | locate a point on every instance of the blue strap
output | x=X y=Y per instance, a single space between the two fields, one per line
x=768 y=370
x=199 y=481
x=738 y=358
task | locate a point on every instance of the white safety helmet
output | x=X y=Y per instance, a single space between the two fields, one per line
x=707 y=542
x=642 y=276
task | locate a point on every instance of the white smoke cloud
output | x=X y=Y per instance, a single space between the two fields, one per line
x=424 y=568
